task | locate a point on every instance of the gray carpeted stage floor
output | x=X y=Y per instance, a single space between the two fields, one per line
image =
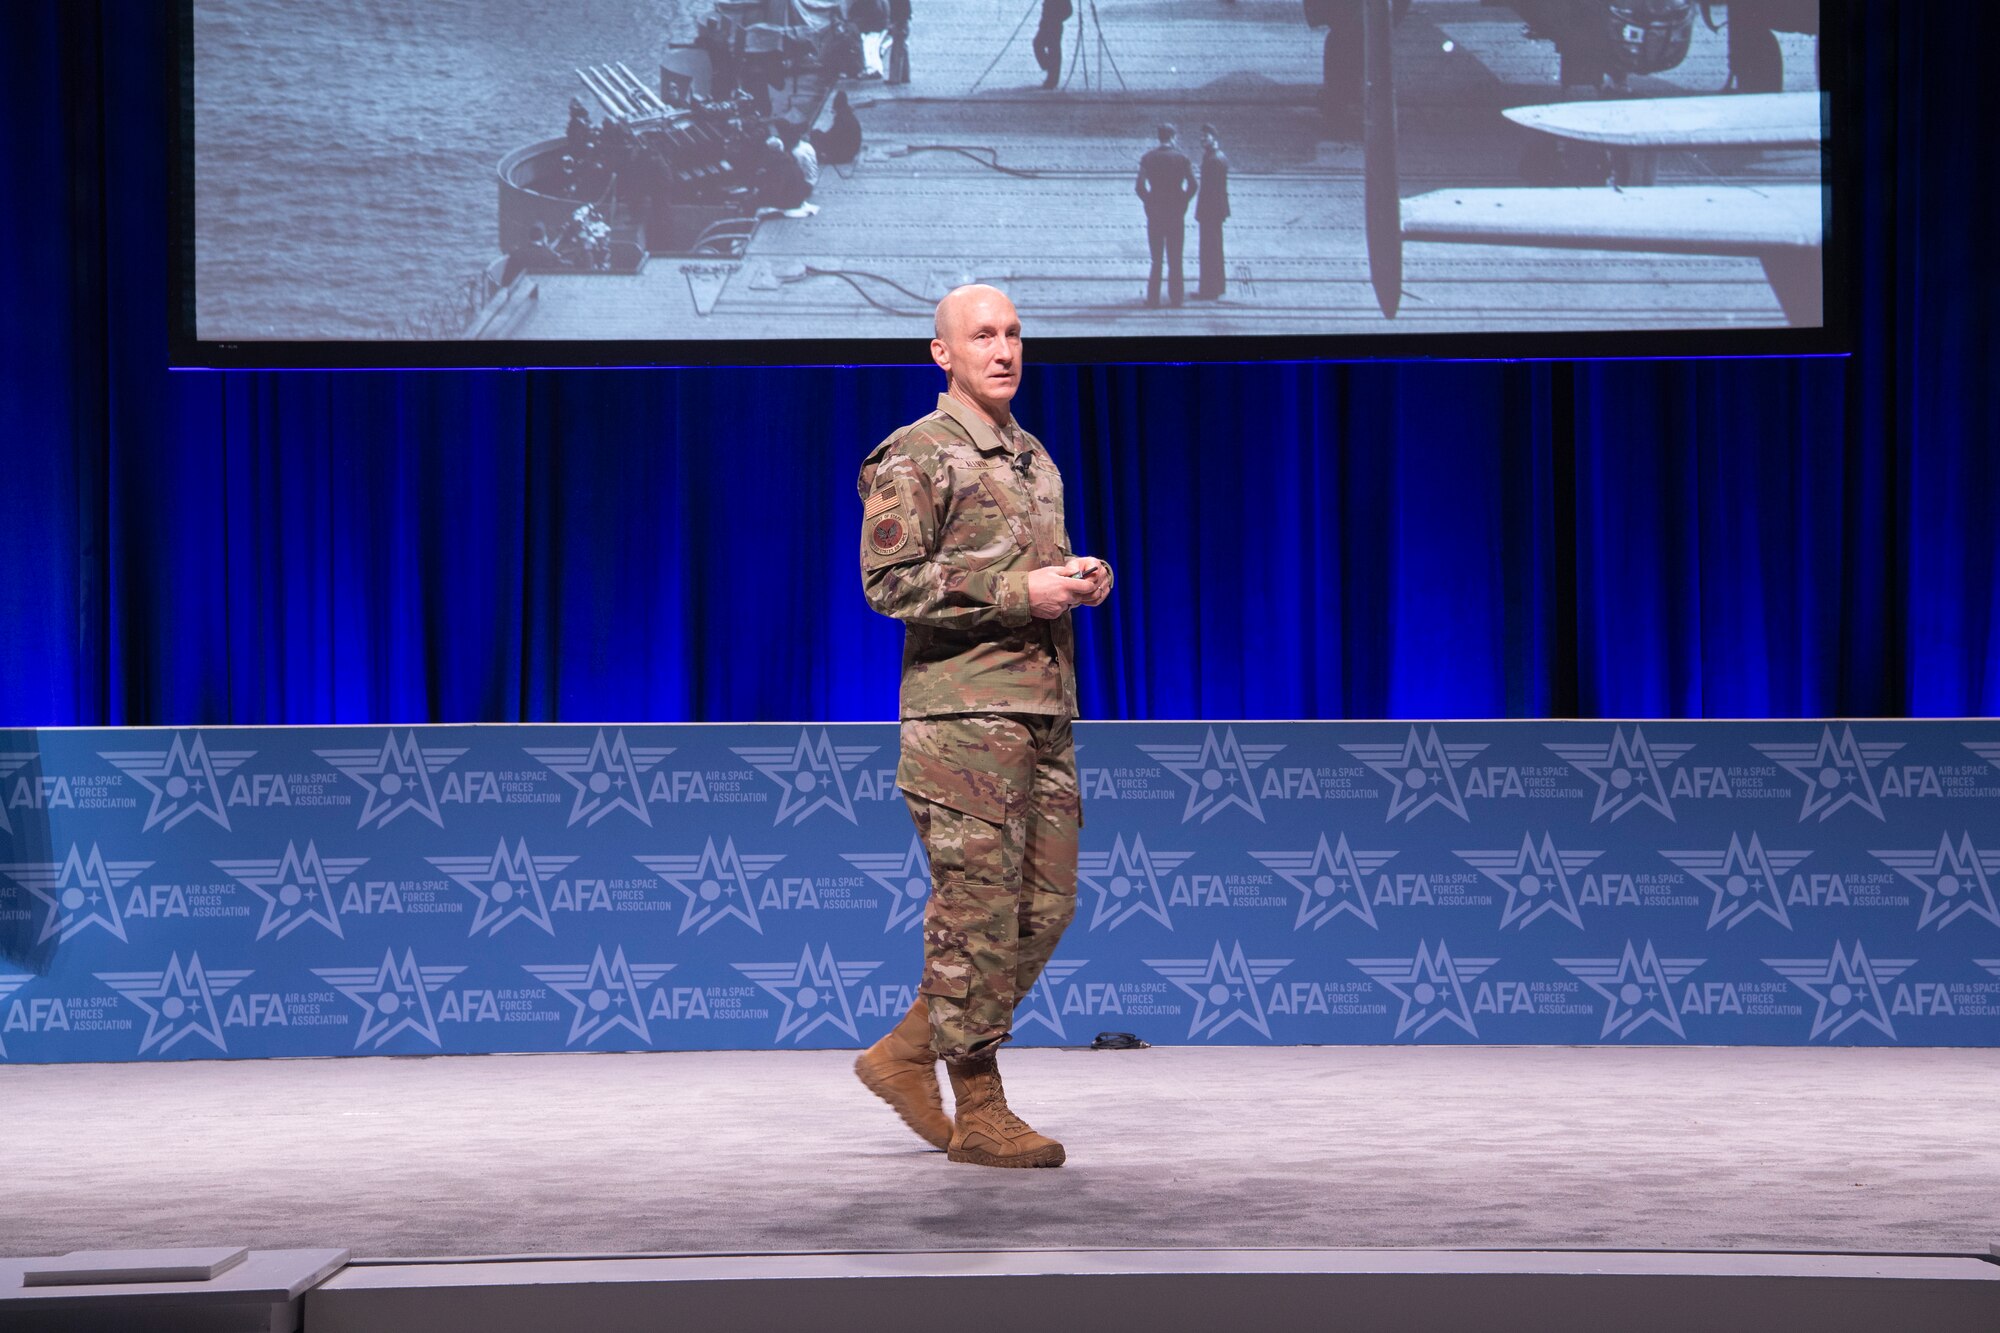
x=1649 y=1147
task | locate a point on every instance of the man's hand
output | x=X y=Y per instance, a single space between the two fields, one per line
x=1094 y=575
x=1051 y=591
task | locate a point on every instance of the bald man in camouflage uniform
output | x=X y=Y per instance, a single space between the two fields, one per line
x=963 y=540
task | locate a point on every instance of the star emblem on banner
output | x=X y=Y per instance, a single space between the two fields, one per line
x=11 y=762
x=1987 y=750
x=296 y=888
x=1536 y=878
x=606 y=994
x=904 y=876
x=1217 y=772
x=508 y=886
x=811 y=775
x=397 y=777
x=1431 y=985
x=606 y=775
x=1640 y=987
x=718 y=884
x=80 y=891
x=1847 y=987
x=178 y=1002
x=1744 y=879
x=184 y=779
x=1040 y=1004
x=1835 y=771
x=1330 y=880
x=394 y=998
x=814 y=991
x=1627 y=771
x=1224 y=988
x=1956 y=880
x=1421 y=772
x=9 y=983
x=1126 y=880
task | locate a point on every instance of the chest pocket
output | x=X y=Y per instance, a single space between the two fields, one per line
x=999 y=512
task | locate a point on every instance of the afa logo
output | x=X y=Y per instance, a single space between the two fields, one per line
x=1639 y=986
x=1630 y=772
x=1957 y=880
x=80 y=891
x=510 y=885
x=1745 y=879
x=1126 y=880
x=1330 y=880
x=1043 y=1003
x=1224 y=987
x=12 y=762
x=719 y=884
x=394 y=998
x=1219 y=773
x=1537 y=880
x=811 y=775
x=179 y=1002
x=1431 y=984
x=605 y=993
x=817 y=992
x=1847 y=985
x=396 y=777
x=1421 y=772
x=606 y=775
x=183 y=779
x=904 y=877
x=9 y=983
x=297 y=888
x=1837 y=771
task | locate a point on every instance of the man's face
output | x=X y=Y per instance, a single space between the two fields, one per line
x=979 y=348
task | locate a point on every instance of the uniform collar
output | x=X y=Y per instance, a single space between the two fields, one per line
x=985 y=435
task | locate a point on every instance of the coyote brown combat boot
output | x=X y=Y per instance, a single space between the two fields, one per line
x=902 y=1071
x=987 y=1132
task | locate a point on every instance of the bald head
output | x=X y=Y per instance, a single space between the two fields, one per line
x=978 y=346
x=959 y=301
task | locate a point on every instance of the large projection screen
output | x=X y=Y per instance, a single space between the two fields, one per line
x=529 y=182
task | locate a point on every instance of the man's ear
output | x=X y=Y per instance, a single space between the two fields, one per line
x=941 y=354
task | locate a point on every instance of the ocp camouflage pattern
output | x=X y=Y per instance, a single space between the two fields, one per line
x=955 y=515
x=995 y=800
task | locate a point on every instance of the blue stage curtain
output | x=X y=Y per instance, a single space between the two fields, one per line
x=1687 y=539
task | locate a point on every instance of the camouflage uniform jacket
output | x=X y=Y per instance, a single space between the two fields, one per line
x=955 y=513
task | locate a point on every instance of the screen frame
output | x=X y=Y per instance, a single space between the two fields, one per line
x=1840 y=177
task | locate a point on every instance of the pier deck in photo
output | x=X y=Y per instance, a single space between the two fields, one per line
x=1033 y=191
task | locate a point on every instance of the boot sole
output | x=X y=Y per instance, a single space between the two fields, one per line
x=1052 y=1155
x=878 y=1087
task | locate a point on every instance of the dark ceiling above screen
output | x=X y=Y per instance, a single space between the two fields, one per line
x=578 y=182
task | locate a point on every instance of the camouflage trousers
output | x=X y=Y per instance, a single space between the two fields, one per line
x=995 y=800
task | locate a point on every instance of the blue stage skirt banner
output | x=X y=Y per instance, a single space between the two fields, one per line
x=248 y=892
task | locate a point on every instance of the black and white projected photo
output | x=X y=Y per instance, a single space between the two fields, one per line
x=702 y=171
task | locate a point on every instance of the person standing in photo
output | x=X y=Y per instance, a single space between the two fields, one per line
x=1048 y=39
x=1211 y=209
x=1166 y=184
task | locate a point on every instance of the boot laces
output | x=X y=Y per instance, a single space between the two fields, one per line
x=1004 y=1117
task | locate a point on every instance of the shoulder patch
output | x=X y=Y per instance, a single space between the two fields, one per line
x=887 y=533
